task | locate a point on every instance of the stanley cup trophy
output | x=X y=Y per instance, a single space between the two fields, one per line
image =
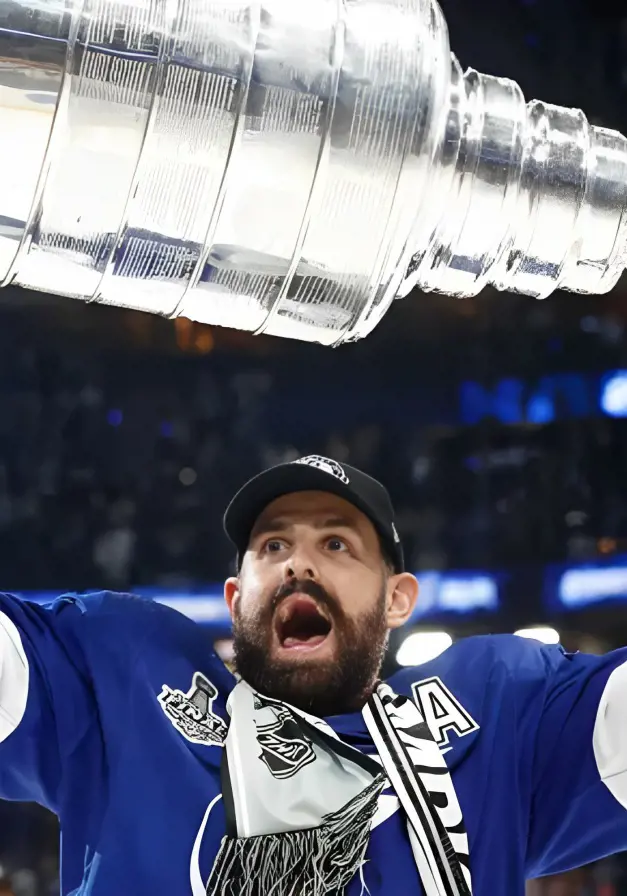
x=286 y=166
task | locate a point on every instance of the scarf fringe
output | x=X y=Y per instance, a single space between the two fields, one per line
x=312 y=862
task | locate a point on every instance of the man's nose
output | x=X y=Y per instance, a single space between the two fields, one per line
x=300 y=565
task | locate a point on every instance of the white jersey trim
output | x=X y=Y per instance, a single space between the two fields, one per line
x=610 y=735
x=14 y=676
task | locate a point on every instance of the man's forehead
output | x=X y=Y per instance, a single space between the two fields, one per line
x=310 y=506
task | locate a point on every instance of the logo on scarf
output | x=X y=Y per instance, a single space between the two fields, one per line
x=284 y=747
x=192 y=713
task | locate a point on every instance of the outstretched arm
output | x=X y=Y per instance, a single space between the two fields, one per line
x=579 y=802
x=46 y=699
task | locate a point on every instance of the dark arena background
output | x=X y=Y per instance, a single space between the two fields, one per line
x=499 y=425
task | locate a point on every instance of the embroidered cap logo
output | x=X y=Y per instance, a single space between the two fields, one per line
x=326 y=464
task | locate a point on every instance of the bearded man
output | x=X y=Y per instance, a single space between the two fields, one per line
x=304 y=774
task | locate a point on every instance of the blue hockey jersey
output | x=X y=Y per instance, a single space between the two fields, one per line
x=112 y=715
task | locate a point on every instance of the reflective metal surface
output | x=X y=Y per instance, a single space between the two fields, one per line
x=286 y=167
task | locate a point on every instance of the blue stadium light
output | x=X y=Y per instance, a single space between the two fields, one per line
x=581 y=587
x=613 y=399
x=456 y=593
x=541 y=409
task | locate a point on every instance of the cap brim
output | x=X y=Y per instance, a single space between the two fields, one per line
x=251 y=500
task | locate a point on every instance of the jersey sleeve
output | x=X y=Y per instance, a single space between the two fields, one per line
x=578 y=760
x=49 y=719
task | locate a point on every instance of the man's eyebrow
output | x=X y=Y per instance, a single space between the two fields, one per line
x=272 y=524
x=280 y=524
x=337 y=522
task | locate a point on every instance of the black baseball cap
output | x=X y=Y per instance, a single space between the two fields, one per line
x=314 y=473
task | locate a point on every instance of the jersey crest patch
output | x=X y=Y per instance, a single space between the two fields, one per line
x=192 y=713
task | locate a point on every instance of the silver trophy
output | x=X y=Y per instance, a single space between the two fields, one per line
x=286 y=167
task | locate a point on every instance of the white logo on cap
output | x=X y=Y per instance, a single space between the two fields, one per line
x=395 y=534
x=326 y=464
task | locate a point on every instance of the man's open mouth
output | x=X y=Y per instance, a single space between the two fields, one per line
x=301 y=624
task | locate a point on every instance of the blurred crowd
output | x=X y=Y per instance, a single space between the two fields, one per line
x=115 y=468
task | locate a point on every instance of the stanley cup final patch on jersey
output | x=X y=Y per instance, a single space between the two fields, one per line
x=192 y=713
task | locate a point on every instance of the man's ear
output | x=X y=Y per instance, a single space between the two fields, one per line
x=401 y=599
x=231 y=593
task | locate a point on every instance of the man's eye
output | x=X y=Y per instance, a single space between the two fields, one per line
x=336 y=544
x=273 y=545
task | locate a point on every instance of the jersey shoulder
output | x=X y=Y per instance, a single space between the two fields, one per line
x=482 y=657
x=107 y=629
x=128 y=612
x=481 y=682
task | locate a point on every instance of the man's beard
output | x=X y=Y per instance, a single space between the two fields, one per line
x=325 y=687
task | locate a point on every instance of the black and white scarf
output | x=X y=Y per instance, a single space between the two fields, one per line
x=300 y=802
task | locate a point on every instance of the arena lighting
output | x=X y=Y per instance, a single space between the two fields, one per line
x=583 y=586
x=420 y=647
x=224 y=648
x=455 y=592
x=614 y=394
x=543 y=633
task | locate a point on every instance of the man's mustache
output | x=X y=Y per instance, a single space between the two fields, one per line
x=303 y=586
